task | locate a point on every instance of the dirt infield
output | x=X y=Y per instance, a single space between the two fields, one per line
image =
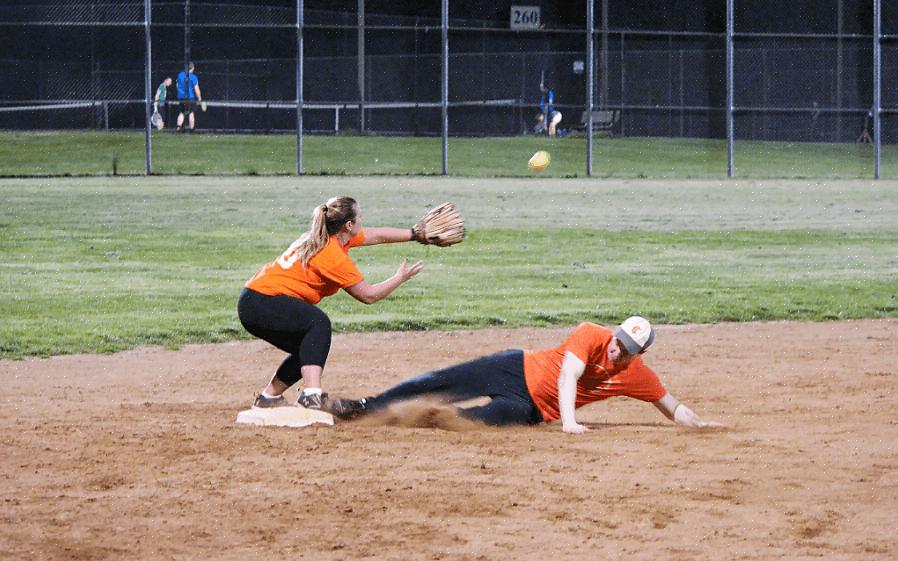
x=136 y=456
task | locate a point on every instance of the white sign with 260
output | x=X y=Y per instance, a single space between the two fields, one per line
x=525 y=17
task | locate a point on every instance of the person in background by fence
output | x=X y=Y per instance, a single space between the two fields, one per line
x=188 y=96
x=865 y=132
x=548 y=116
x=159 y=101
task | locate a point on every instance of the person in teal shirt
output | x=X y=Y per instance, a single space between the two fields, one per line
x=159 y=101
x=548 y=116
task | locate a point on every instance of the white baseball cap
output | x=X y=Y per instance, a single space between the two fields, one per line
x=636 y=334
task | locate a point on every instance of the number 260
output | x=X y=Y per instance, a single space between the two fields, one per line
x=526 y=16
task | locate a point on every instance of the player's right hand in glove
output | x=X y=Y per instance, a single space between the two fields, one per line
x=440 y=226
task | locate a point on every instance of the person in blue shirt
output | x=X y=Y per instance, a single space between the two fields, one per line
x=549 y=117
x=188 y=96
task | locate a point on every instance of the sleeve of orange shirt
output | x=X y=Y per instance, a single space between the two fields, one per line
x=336 y=266
x=356 y=240
x=637 y=381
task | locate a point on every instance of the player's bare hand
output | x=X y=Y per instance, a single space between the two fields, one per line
x=575 y=428
x=406 y=272
x=687 y=417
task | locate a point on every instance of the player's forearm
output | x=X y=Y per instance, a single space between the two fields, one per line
x=567 y=396
x=377 y=292
x=681 y=414
x=374 y=236
x=385 y=288
x=571 y=370
x=667 y=405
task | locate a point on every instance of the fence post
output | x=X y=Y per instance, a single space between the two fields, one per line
x=147 y=87
x=444 y=87
x=877 y=83
x=603 y=60
x=840 y=27
x=623 y=85
x=681 y=81
x=186 y=54
x=360 y=32
x=729 y=72
x=590 y=61
x=299 y=61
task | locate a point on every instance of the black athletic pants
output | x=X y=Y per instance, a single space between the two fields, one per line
x=499 y=376
x=300 y=329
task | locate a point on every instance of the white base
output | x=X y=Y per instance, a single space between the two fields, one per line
x=291 y=416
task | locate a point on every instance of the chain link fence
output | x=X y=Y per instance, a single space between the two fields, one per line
x=659 y=70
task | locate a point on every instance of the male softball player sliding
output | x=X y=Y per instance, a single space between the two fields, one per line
x=531 y=387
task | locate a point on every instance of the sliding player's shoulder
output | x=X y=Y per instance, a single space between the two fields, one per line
x=590 y=327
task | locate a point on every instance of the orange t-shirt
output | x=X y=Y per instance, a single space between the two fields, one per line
x=327 y=272
x=601 y=379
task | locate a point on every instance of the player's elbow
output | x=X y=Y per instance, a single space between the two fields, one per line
x=365 y=296
x=565 y=381
x=368 y=299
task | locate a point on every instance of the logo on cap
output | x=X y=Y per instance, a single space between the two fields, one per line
x=636 y=334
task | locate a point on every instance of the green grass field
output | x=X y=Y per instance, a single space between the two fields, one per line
x=104 y=264
x=25 y=154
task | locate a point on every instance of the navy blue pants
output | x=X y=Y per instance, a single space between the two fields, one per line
x=300 y=329
x=498 y=376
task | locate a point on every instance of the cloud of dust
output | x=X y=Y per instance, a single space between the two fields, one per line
x=423 y=414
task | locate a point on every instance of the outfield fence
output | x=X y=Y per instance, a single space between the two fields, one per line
x=619 y=69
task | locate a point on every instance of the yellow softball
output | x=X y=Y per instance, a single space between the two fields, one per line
x=539 y=161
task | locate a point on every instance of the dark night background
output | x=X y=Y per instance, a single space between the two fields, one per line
x=669 y=83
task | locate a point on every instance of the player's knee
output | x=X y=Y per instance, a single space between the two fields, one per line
x=323 y=323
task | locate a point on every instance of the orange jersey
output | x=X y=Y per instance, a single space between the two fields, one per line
x=327 y=272
x=601 y=379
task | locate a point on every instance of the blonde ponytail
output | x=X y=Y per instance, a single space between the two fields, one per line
x=327 y=219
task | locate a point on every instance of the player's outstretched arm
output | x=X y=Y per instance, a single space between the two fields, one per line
x=682 y=415
x=371 y=293
x=374 y=236
x=440 y=226
x=571 y=370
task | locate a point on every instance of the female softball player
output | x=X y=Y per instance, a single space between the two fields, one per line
x=278 y=302
x=530 y=387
